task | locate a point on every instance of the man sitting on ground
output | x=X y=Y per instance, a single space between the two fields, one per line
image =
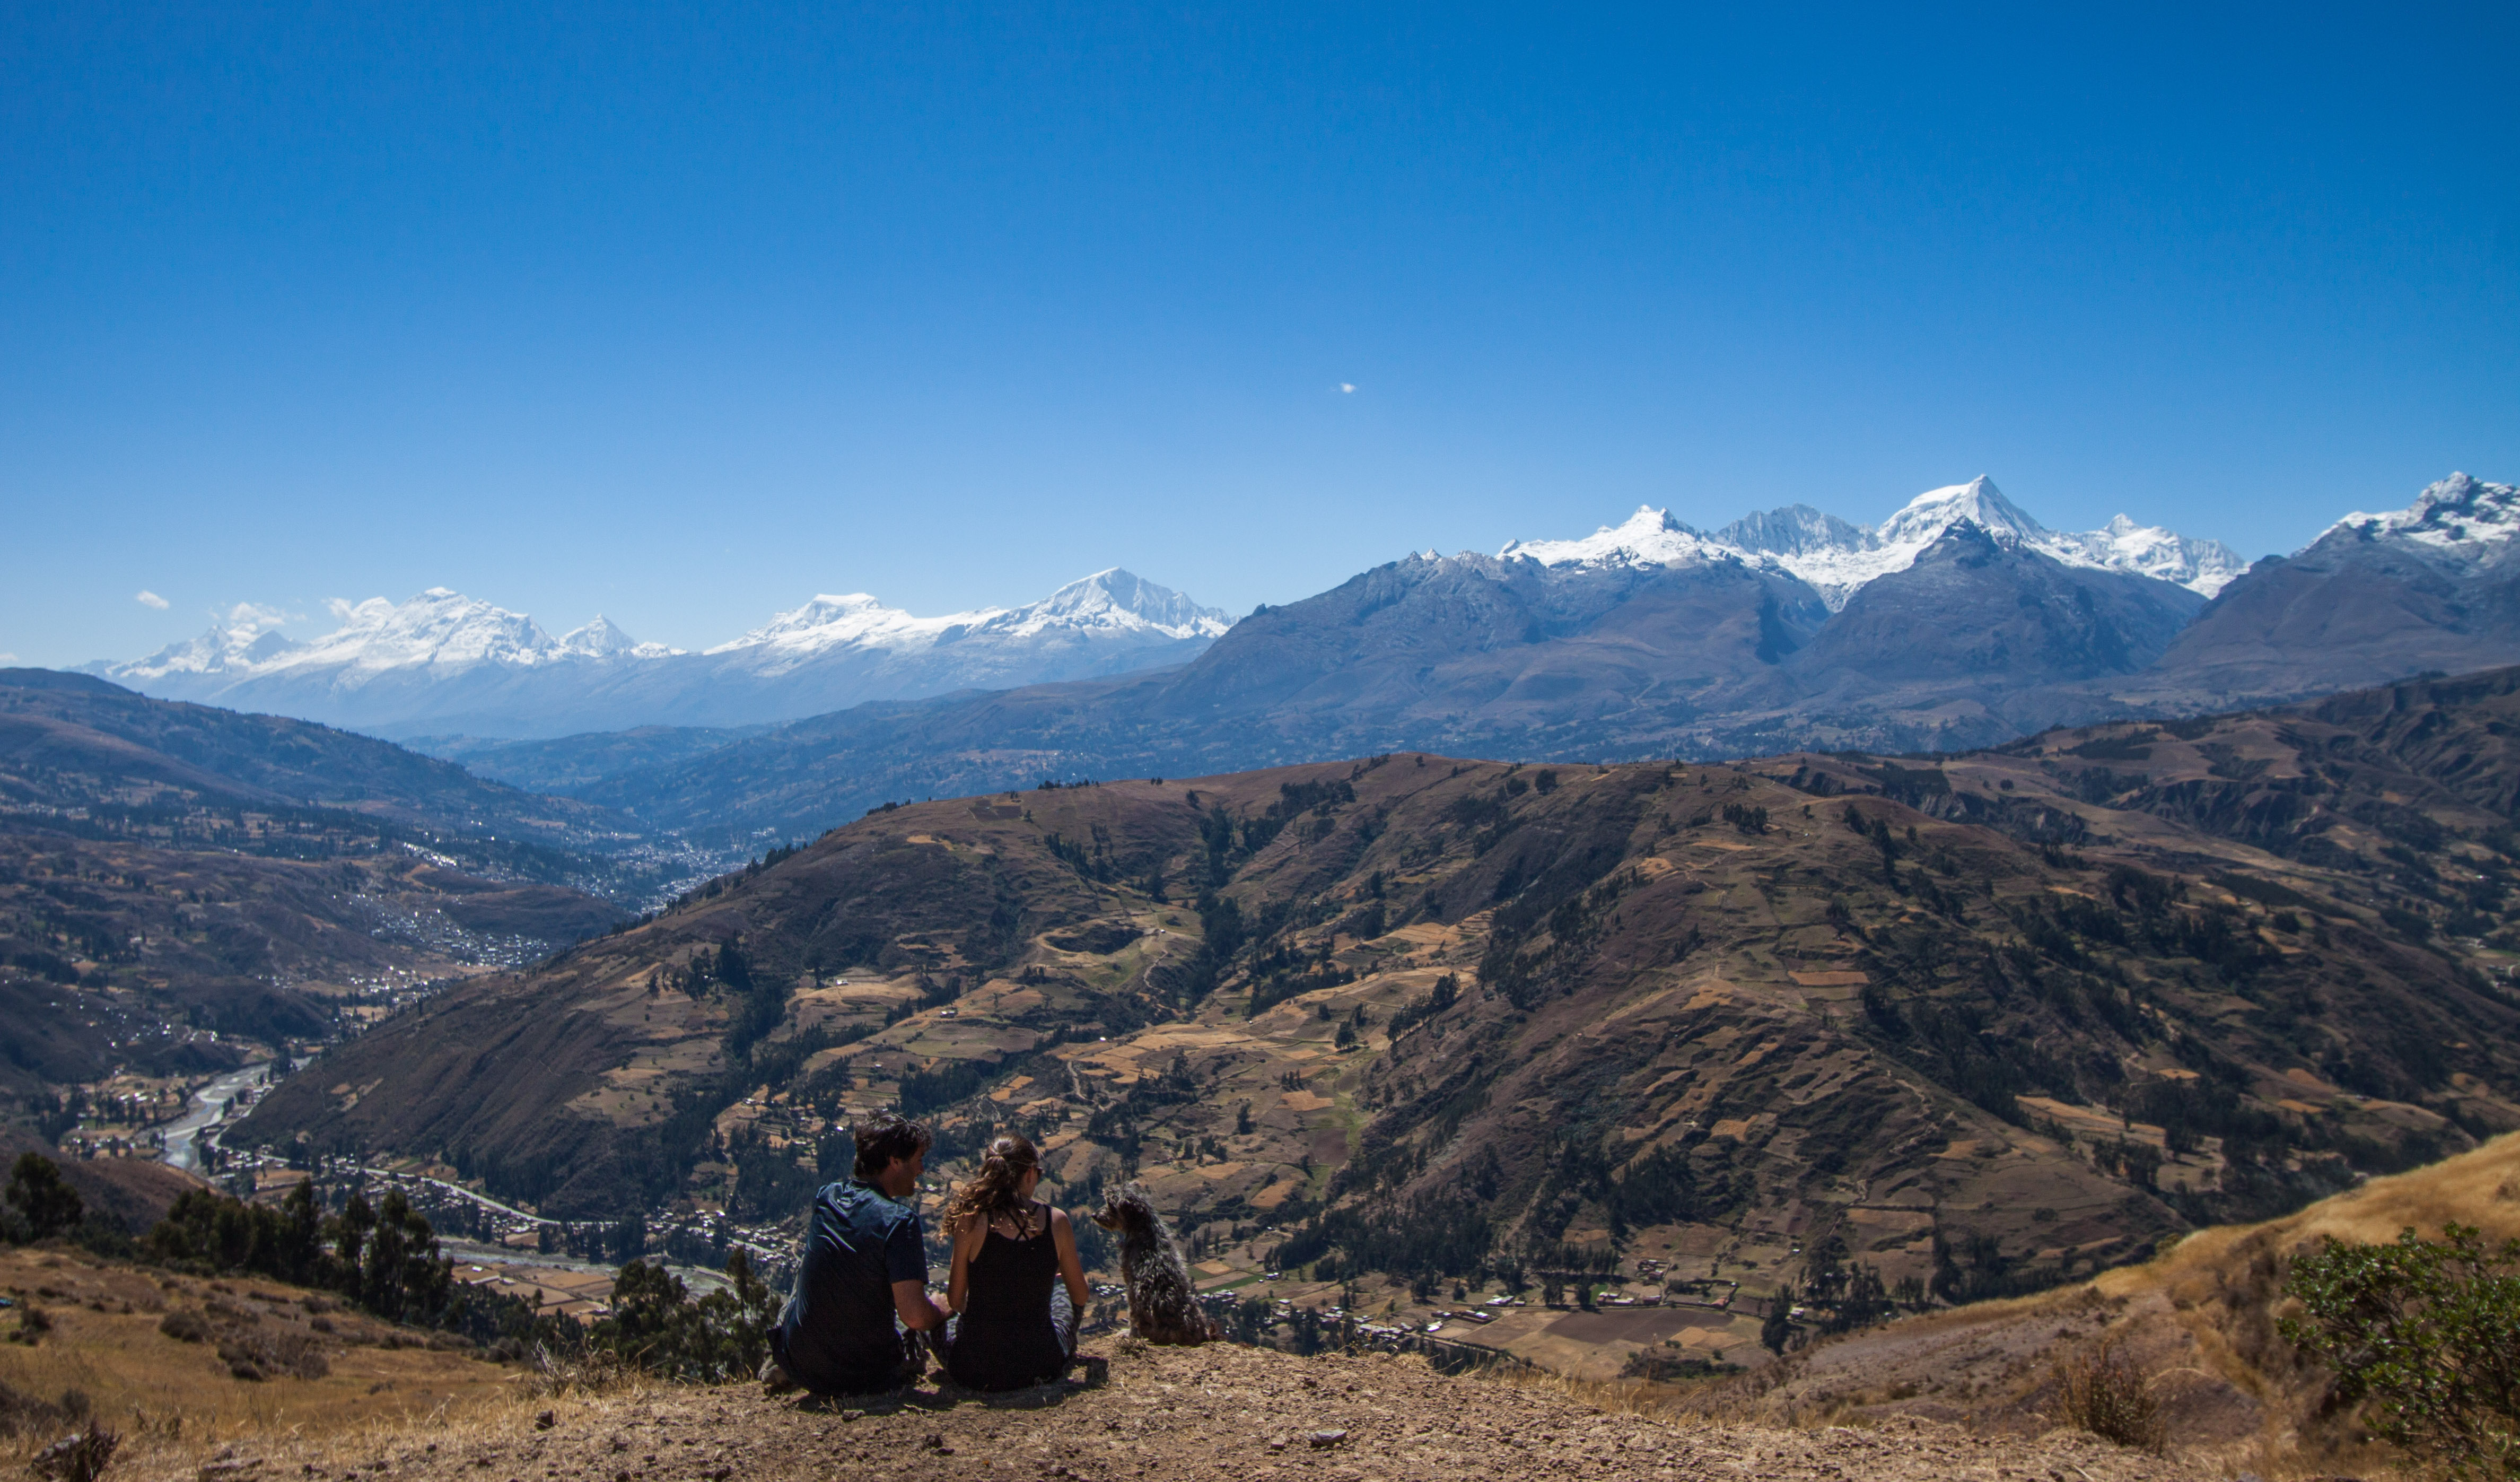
x=865 y=1263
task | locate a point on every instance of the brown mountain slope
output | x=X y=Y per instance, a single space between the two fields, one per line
x=2200 y=1321
x=65 y=736
x=86 y=759
x=2404 y=796
x=1506 y=1018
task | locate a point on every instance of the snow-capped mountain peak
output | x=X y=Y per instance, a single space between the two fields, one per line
x=442 y=660
x=1112 y=603
x=1838 y=557
x=2203 y=566
x=1113 y=600
x=247 y=638
x=1924 y=519
x=1649 y=537
x=1796 y=531
x=603 y=638
x=852 y=620
x=2457 y=516
x=440 y=628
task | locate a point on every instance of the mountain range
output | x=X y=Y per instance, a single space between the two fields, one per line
x=1646 y=641
x=1839 y=559
x=448 y=663
x=457 y=669
x=1958 y=622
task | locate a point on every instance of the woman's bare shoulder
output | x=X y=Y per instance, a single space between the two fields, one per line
x=1059 y=1218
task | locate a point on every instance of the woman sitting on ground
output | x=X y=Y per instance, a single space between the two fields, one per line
x=1009 y=1250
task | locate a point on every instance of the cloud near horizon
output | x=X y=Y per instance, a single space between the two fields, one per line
x=257 y=615
x=149 y=599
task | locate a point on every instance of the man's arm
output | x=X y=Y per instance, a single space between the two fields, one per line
x=905 y=1259
x=918 y=1312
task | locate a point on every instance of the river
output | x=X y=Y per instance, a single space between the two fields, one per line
x=210 y=1106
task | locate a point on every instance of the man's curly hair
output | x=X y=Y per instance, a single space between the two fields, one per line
x=885 y=1138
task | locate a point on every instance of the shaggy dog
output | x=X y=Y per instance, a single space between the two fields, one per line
x=1163 y=1305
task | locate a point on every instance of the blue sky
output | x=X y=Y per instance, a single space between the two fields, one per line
x=684 y=314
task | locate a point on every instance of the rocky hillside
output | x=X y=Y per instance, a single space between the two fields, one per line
x=1977 y=1023
x=1209 y=1413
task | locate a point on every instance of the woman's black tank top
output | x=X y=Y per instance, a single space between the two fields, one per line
x=1006 y=1339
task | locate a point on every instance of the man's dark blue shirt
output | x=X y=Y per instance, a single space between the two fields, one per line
x=837 y=1334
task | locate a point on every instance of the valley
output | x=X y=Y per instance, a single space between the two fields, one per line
x=1406 y=1035
x=186 y=892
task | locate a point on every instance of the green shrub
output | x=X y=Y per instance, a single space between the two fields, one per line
x=2427 y=1334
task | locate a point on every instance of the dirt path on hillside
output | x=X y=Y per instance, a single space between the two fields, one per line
x=1220 y=1412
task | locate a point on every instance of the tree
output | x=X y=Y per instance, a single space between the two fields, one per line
x=42 y=1198
x=404 y=1278
x=350 y=1232
x=2428 y=1332
x=1778 y=1328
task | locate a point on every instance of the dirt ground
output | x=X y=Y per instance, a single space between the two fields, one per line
x=1218 y=1412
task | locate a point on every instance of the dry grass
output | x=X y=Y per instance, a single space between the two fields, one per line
x=302 y=1435
x=2100 y=1392
x=550 y=1376
x=106 y=1353
x=2479 y=1188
